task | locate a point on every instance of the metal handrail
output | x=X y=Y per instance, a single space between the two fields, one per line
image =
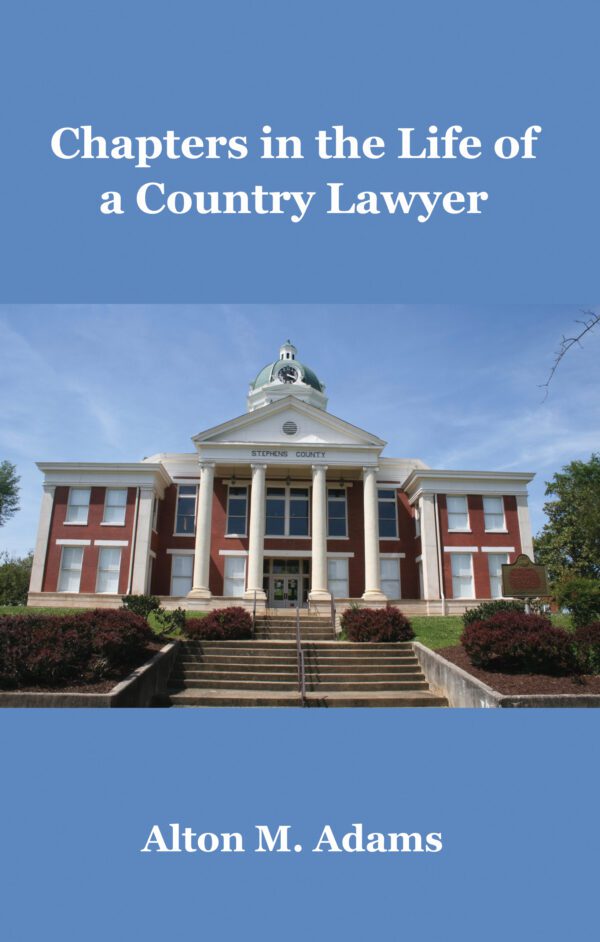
x=300 y=656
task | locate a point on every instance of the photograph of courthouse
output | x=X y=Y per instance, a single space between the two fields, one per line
x=284 y=505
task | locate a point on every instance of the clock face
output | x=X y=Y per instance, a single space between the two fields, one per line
x=287 y=374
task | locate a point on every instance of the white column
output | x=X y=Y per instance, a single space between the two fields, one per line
x=200 y=580
x=429 y=548
x=41 y=543
x=524 y=525
x=142 y=536
x=372 y=591
x=256 y=540
x=319 y=590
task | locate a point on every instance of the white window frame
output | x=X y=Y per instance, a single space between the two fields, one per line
x=100 y=569
x=246 y=489
x=388 y=500
x=113 y=523
x=288 y=488
x=70 y=505
x=183 y=555
x=505 y=557
x=454 y=556
x=344 y=581
x=390 y=559
x=240 y=579
x=465 y=529
x=502 y=528
x=64 y=551
x=340 y=500
x=177 y=532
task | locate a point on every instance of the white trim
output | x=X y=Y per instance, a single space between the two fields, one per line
x=180 y=552
x=419 y=559
x=74 y=523
x=151 y=554
x=392 y=555
x=111 y=542
x=73 y=542
x=103 y=524
x=497 y=549
x=461 y=549
x=229 y=552
x=340 y=555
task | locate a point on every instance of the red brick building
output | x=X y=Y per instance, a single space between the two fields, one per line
x=284 y=504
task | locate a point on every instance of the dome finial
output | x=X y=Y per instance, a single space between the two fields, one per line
x=287 y=351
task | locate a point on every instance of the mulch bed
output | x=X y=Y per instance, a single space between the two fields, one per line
x=103 y=686
x=522 y=683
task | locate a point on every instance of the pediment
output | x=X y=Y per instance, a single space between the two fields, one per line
x=288 y=422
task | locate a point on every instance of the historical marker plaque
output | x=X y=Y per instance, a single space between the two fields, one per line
x=524 y=579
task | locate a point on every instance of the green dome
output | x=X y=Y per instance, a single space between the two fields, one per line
x=267 y=375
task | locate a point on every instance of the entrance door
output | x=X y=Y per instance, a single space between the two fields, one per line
x=286 y=582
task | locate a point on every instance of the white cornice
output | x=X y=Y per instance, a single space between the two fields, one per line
x=105 y=474
x=504 y=483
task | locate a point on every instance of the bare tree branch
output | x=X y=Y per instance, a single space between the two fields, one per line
x=590 y=321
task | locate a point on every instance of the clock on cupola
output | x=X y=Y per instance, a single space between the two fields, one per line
x=286 y=376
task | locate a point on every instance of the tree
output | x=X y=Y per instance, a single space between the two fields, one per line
x=569 y=543
x=15 y=574
x=9 y=491
x=589 y=322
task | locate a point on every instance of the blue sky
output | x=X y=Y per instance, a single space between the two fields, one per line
x=455 y=386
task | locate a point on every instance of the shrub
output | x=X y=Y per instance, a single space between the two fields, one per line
x=173 y=620
x=141 y=604
x=516 y=643
x=222 y=624
x=587 y=639
x=57 y=650
x=376 y=624
x=15 y=574
x=582 y=598
x=488 y=609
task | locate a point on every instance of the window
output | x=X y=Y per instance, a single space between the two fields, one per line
x=336 y=512
x=417 y=521
x=109 y=567
x=458 y=513
x=287 y=511
x=493 y=513
x=420 y=574
x=337 y=578
x=185 y=517
x=155 y=514
x=71 y=561
x=78 y=505
x=235 y=577
x=462 y=576
x=390 y=577
x=182 y=568
x=237 y=507
x=495 y=563
x=388 y=517
x=115 y=503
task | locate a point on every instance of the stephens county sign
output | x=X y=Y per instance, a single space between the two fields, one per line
x=524 y=579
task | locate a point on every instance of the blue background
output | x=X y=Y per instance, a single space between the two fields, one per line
x=514 y=793
x=228 y=68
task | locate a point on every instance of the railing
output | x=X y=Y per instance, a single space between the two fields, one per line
x=300 y=656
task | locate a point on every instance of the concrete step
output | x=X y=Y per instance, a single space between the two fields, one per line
x=281 y=636
x=229 y=683
x=241 y=698
x=231 y=665
x=191 y=677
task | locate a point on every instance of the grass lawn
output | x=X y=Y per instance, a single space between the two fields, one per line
x=437 y=631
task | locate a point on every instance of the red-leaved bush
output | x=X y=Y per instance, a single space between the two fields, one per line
x=57 y=650
x=517 y=643
x=222 y=624
x=588 y=646
x=376 y=624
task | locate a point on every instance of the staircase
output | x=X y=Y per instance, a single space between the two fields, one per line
x=263 y=671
